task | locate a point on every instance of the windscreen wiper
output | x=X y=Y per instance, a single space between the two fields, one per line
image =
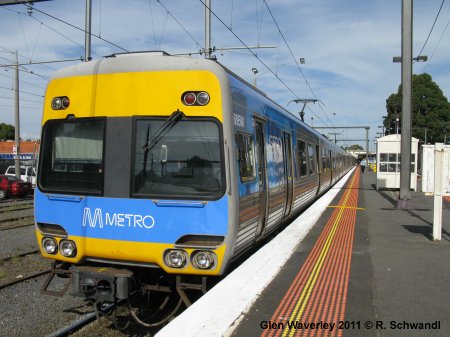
x=162 y=130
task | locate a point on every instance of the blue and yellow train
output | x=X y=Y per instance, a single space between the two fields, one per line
x=156 y=168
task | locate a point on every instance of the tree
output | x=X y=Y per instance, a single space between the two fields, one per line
x=7 y=132
x=355 y=147
x=430 y=110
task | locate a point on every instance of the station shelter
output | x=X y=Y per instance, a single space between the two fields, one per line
x=388 y=162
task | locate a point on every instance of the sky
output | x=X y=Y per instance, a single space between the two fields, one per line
x=347 y=45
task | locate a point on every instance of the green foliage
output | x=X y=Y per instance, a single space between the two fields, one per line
x=355 y=147
x=6 y=132
x=430 y=110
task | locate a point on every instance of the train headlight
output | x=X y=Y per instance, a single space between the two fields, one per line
x=175 y=258
x=203 y=259
x=50 y=245
x=67 y=248
x=203 y=98
x=60 y=103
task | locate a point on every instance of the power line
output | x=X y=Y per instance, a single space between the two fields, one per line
x=57 y=32
x=179 y=23
x=295 y=60
x=256 y=56
x=23 y=92
x=80 y=29
x=437 y=46
x=24 y=100
x=12 y=61
x=432 y=27
x=22 y=81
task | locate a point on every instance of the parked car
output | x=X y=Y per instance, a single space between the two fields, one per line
x=27 y=173
x=12 y=186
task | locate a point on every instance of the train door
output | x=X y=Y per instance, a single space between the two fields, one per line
x=288 y=169
x=262 y=176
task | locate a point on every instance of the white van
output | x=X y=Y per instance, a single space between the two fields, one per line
x=27 y=173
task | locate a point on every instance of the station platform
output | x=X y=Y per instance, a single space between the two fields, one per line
x=353 y=266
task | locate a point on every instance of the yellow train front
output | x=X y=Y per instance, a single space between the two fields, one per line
x=132 y=174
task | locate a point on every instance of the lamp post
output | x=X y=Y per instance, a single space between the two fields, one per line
x=255 y=71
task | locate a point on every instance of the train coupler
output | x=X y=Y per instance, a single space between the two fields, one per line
x=102 y=284
x=56 y=288
x=189 y=285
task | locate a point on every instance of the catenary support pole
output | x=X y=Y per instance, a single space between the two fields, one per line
x=207 y=29
x=404 y=201
x=87 y=33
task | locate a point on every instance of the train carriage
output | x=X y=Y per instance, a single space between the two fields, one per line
x=155 y=167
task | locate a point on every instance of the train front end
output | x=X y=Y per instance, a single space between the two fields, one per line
x=132 y=175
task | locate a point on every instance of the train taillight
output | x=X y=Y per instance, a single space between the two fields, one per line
x=199 y=98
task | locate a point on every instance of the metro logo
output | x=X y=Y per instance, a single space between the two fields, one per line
x=101 y=220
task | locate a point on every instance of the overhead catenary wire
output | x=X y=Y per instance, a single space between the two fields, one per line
x=179 y=23
x=256 y=56
x=437 y=46
x=432 y=27
x=80 y=29
x=298 y=66
x=22 y=91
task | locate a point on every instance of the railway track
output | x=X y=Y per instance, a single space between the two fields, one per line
x=12 y=202
x=16 y=216
x=16 y=223
x=20 y=207
x=24 y=278
x=11 y=271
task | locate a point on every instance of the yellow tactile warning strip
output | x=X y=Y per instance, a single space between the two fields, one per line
x=319 y=291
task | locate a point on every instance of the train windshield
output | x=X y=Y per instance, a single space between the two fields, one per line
x=72 y=156
x=183 y=161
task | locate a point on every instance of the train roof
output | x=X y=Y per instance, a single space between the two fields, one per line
x=136 y=62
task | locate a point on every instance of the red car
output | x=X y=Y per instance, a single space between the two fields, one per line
x=10 y=185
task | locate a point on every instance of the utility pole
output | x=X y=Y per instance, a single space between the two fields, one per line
x=16 y=117
x=87 y=34
x=207 y=29
x=367 y=145
x=404 y=201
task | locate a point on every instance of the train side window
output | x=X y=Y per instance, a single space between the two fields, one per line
x=302 y=158
x=324 y=160
x=246 y=157
x=311 y=159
